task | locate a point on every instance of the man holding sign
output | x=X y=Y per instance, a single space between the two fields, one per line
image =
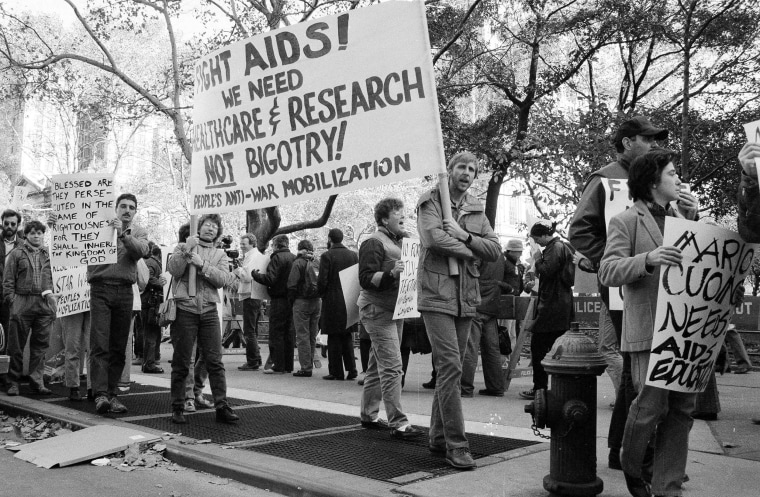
x=633 y=258
x=379 y=270
x=448 y=296
x=111 y=305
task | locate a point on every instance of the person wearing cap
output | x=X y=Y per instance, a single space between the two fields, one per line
x=514 y=275
x=333 y=321
x=554 y=310
x=281 y=332
x=749 y=201
x=588 y=235
x=447 y=299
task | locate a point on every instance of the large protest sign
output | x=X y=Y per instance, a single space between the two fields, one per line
x=73 y=290
x=694 y=303
x=406 y=302
x=83 y=204
x=322 y=107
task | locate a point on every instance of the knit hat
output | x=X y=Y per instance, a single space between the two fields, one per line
x=514 y=244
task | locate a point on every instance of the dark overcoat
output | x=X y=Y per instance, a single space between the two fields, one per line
x=556 y=273
x=331 y=263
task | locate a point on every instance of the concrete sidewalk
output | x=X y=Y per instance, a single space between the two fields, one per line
x=714 y=468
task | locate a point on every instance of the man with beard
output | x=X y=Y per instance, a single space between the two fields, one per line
x=11 y=224
x=111 y=301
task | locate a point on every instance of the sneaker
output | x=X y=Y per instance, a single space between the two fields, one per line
x=248 y=367
x=13 y=389
x=190 y=405
x=178 y=418
x=408 y=432
x=317 y=364
x=202 y=403
x=117 y=407
x=225 y=415
x=39 y=389
x=75 y=395
x=272 y=371
x=102 y=404
x=741 y=369
x=460 y=458
x=302 y=374
x=528 y=394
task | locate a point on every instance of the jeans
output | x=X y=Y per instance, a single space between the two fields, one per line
x=734 y=341
x=340 y=353
x=151 y=339
x=281 y=334
x=665 y=415
x=205 y=328
x=383 y=379
x=540 y=345
x=31 y=319
x=251 y=316
x=110 y=320
x=75 y=330
x=484 y=335
x=448 y=338
x=306 y=322
x=609 y=347
x=196 y=375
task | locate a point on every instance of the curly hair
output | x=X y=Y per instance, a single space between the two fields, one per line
x=646 y=170
x=384 y=208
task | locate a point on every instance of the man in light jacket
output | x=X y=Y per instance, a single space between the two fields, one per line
x=251 y=306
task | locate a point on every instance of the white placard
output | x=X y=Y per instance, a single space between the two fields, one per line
x=335 y=104
x=406 y=303
x=70 y=284
x=349 y=282
x=83 y=204
x=694 y=303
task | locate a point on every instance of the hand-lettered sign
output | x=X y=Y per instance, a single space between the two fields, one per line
x=694 y=303
x=70 y=284
x=335 y=104
x=406 y=302
x=83 y=204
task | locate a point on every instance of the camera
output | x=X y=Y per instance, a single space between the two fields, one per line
x=225 y=243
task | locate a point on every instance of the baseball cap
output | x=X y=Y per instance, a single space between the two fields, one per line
x=639 y=125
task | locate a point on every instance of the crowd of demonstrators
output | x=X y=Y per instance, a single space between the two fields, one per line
x=380 y=267
x=303 y=295
x=448 y=299
x=341 y=362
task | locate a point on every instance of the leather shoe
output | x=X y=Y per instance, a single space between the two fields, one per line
x=178 y=418
x=225 y=415
x=528 y=394
x=330 y=377
x=302 y=374
x=117 y=407
x=248 y=367
x=490 y=393
x=75 y=394
x=430 y=385
x=437 y=450
x=13 y=389
x=152 y=370
x=741 y=369
x=706 y=416
x=352 y=375
x=102 y=404
x=409 y=432
x=460 y=458
x=378 y=424
x=637 y=486
x=613 y=460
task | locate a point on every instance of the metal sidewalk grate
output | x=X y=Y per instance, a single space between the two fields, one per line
x=373 y=454
x=262 y=422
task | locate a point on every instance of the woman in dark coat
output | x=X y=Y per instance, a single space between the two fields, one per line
x=556 y=274
x=340 y=344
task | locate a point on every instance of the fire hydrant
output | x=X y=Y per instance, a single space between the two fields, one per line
x=569 y=409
